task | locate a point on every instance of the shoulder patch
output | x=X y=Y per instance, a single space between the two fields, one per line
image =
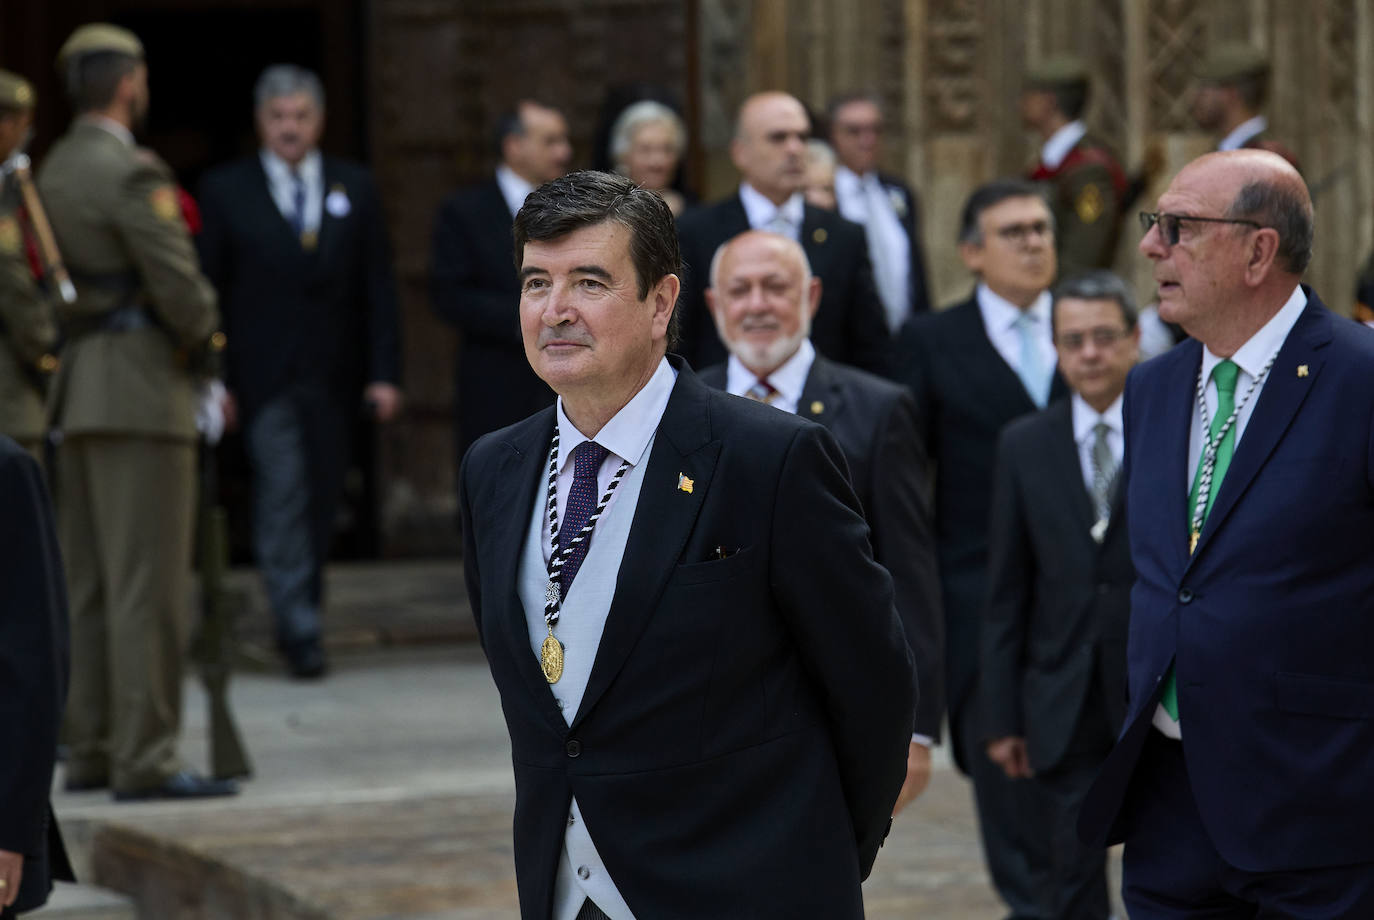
x=164 y=202
x=11 y=240
x=1088 y=204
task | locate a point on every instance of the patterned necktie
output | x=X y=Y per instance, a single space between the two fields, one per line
x=297 y=216
x=762 y=391
x=1224 y=375
x=1032 y=367
x=1104 y=471
x=587 y=458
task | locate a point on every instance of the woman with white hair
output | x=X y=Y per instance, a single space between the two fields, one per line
x=647 y=142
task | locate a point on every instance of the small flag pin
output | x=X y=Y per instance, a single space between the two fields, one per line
x=1302 y=370
x=817 y=407
x=684 y=484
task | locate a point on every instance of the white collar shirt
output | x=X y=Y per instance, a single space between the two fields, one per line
x=1242 y=133
x=1085 y=422
x=789 y=379
x=1000 y=318
x=1058 y=145
x=106 y=123
x=762 y=214
x=281 y=182
x=868 y=203
x=513 y=188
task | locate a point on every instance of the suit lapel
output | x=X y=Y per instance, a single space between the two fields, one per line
x=1175 y=427
x=822 y=399
x=1283 y=394
x=1003 y=393
x=523 y=465
x=267 y=205
x=1062 y=460
x=662 y=523
x=329 y=223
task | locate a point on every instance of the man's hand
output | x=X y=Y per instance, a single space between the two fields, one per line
x=385 y=400
x=11 y=873
x=1009 y=753
x=917 y=776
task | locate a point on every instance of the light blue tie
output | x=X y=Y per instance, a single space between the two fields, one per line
x=1031 y=369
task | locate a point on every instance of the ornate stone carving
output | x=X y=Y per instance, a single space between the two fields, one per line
x=954 y=48
x=1175 y=45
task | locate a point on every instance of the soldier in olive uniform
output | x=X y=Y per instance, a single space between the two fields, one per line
x=1086 y=183
x=1233 y=86
x=124 y=400
x=28 y=325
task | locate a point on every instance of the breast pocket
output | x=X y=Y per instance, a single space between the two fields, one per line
x=713 y=570
x=1317 y=695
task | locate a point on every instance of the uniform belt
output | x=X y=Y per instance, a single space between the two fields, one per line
x=120 y=319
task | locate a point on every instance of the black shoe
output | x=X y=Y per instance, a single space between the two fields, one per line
x=183 y=785
x=306 y=661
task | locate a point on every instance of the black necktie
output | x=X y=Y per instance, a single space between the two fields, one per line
x=587 y=459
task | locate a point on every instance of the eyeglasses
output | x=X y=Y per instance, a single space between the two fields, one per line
x=1168 y=224
x=1102 y=337
x=1020 y=233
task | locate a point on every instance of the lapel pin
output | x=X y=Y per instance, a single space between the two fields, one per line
x=684 y=484
x=820 y=236
x=817 y=407
x=1302 y=370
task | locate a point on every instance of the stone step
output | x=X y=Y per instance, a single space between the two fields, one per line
x=85 y=902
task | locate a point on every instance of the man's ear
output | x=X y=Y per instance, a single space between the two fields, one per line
x=972 y=254
x=813 y=296
x=664 y=300
x=1261 y=255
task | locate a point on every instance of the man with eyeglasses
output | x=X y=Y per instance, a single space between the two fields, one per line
x=1053 y=637
x=973 y=368
x=1240 y=784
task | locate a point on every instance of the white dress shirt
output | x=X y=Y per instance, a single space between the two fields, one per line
x=1058 y=145
x=1000 y=317
x=629 y=435
x=868 y=203
x=283 y=187
x=1085 y=421
x=109 y=124
x=1251 y=359
x=762 y=214
x=789 y=379
x=513 y=189
x=1243 y=132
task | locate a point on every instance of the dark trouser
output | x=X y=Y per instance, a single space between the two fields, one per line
x=298 y=445
x=1015 y=821
x=1078 y=876
x=1172 y=871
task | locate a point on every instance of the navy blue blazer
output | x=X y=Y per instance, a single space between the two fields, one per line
x=1271 y=620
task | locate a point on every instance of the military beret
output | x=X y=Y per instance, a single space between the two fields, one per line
x=99 y=36
x=15 y=91
x=1061 y=70
x=1233 y=61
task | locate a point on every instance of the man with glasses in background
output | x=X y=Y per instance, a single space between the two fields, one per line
x=1059 y=573
x=972 y=369
x=1240 y=784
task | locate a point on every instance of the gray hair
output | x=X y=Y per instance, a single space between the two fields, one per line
x=1273 y=205
x=790 y=243
x=287 y=80
x=818 y=151
x=636 y=116
x=1098 y=284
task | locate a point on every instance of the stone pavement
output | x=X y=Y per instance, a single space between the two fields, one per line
x=385 y=790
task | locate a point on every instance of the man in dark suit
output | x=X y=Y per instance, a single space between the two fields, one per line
x=1240 y=783
x=705 y=722
x=33 y=660
x=882 y=204
x=295 y=242
x=763 y=297
x=972 y=369
x=769 y=150
x=473 y=285
x=1059 y=580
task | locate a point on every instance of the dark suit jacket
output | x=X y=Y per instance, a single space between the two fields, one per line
x=474 y=286
x=1055 y=629
x=744 y=731
x=874 y=421
x=911 y=220
x=296 y=316
x=849 y=327
x=1271 y=621
x=965 y=393
x=33 y=673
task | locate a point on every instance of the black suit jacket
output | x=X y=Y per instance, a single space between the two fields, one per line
x=743 y=734
x=965 y=393
x=326 y=316
x=474 y=286
x=849 y=327
x=911 y=220
x=1059 y=601
x=874 y=421
x=33 y=673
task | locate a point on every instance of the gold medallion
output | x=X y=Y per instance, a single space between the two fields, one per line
x=551 y=658
x=1192 y=545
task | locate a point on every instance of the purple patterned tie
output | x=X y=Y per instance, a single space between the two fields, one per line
x=587 y=459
